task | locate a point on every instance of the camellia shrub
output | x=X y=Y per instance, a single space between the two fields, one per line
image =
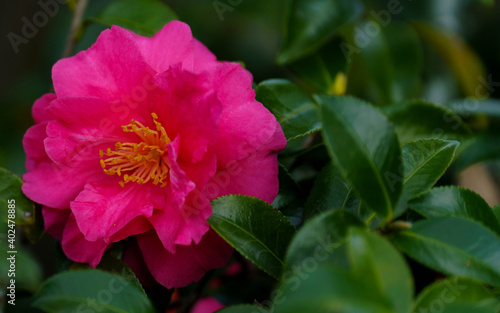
x=170 y=180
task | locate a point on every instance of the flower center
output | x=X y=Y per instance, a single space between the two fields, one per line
x=139 y=162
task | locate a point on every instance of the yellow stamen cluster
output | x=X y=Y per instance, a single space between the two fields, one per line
x=139 y=162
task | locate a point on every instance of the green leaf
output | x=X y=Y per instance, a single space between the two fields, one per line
x=425 y=161
x=10 y=189
x=254 y=228
x=328 y=289
x=365 y=149
x=454 y=246
x=293 y=108
x=460 y=294
x=309 y=24
x=481 y=148
x=374 y=259
x=91 y=290
x=323 y=69
x=330 y=191
x=145 y=17
x=455 y=201
x=242 y=309
x=418 y=119
x=319 y=237
x=289 y=199
x=496 y=211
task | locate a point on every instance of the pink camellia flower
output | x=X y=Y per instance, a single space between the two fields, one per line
x=140 y=134
x=207 y=305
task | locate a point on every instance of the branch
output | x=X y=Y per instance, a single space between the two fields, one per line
x=75 y=25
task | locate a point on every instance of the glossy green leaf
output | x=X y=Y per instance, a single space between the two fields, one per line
x=496 y=211
x=10 y=189
x=365 y=149
x=329 y=289
x=454 y=246
x=309 y=24
x=290 y=197
x=293 y=108
x=321 y=69
x=425 y=161
x=319 y=237
x=145 y=17
x=455 y=201
x=91 y=290
x=455 y=295
x=330 y=191
x=243 y=309
x=482 y=148
x=418 y=119
x=375 y=259
x=254 y=228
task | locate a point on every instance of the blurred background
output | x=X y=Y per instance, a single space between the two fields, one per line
x=456 y=55
x=249 y=32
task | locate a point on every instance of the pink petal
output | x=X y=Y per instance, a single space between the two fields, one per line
x=103 y=210
x=207 y=305
x=203 y=58
x=255 y=176
x=33 y=144
x=110 y=69
x=246 y=125
x=77 y=248
x=189 y=107
x=184 y=225
x=172 y=44
x=53 y=185
x=188 y=264
x=54 y=221
x=39 y=109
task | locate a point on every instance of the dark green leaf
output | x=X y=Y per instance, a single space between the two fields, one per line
x=319 y=237
x=365 y=149
x=419 y=119
x=481 y=148
x=324 y=69
x=91 y=290
x=242 y=309
x=375 y=260
x=254 y=228
x=293 y=108
x=454 y=295
x=425 y=161
x=330 y=191
x=328 y=289
x=309 y=24
x=454 y=246
x=289 y=199
x=496 y=211
x=455 y=201
x=10 y=189
x=145 y=17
